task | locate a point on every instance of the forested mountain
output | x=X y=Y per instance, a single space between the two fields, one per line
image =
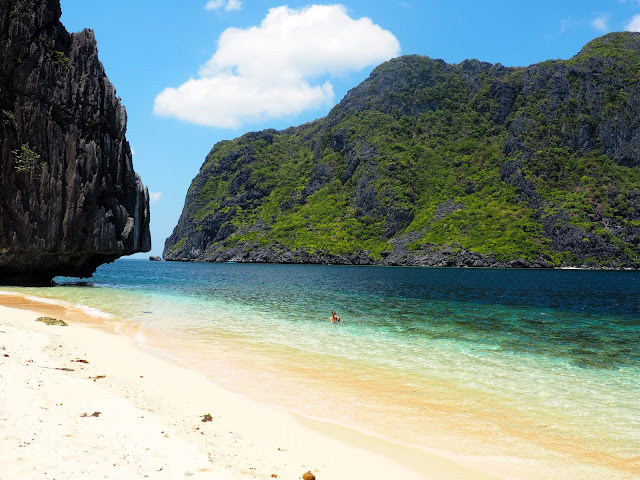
x=427 y=163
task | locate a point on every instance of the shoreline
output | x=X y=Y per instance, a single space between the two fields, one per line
x=152 y=408
x=472 y=263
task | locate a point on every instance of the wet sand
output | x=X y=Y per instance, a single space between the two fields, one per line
x=81 y=402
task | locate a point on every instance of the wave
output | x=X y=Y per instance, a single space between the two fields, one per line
x=92 y=311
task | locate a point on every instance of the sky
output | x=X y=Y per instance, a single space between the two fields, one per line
x=193 y=72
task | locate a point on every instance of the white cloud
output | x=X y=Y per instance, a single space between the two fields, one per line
x=601 y=22
x=233 y=5
x=214 y=4
x=273 y=70
x=155 y=196
x=228 y=5
x=634 y=24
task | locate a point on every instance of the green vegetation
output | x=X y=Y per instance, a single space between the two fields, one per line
x=179 y=245
x=9 y=118
x=25 y=159
x=60 y=60
x=428 y=161
x=614 y=46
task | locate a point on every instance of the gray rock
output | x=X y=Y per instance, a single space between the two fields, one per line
x=70 y=199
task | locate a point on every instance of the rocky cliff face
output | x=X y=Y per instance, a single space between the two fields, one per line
x=427 y=163
x=69 y=197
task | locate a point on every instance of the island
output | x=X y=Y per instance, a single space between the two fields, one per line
x=428 y=163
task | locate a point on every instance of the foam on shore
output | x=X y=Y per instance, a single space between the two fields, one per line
x=35 y=300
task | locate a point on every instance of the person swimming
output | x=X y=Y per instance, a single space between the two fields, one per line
x=334 y=318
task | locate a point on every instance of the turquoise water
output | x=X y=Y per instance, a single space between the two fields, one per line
x=537 y=369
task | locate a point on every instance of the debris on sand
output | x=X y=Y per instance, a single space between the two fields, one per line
x=52 y=321
x=308 y=476
x=207 y=418
x=94 y=414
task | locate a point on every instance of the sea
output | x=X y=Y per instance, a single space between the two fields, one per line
x=534 y=374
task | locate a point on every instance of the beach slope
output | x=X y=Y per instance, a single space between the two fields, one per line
x=80 y=401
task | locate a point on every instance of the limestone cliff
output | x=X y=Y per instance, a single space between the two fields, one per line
x=428 y=163
x=69 y=197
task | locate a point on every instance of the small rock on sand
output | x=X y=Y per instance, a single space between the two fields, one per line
x=52 y=321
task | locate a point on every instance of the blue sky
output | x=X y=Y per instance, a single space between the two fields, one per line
x=193 y=72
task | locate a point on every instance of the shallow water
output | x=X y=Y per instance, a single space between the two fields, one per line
x=533 y=373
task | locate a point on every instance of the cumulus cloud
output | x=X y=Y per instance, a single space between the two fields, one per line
x=273 y=70
x=228 y=5
x=601 y=23
x=155 y=196
x=634 y=24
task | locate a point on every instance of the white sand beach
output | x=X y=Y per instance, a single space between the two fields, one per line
x=80 y=402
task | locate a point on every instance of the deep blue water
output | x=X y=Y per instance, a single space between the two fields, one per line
x=597 y=292
x=590 y=318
